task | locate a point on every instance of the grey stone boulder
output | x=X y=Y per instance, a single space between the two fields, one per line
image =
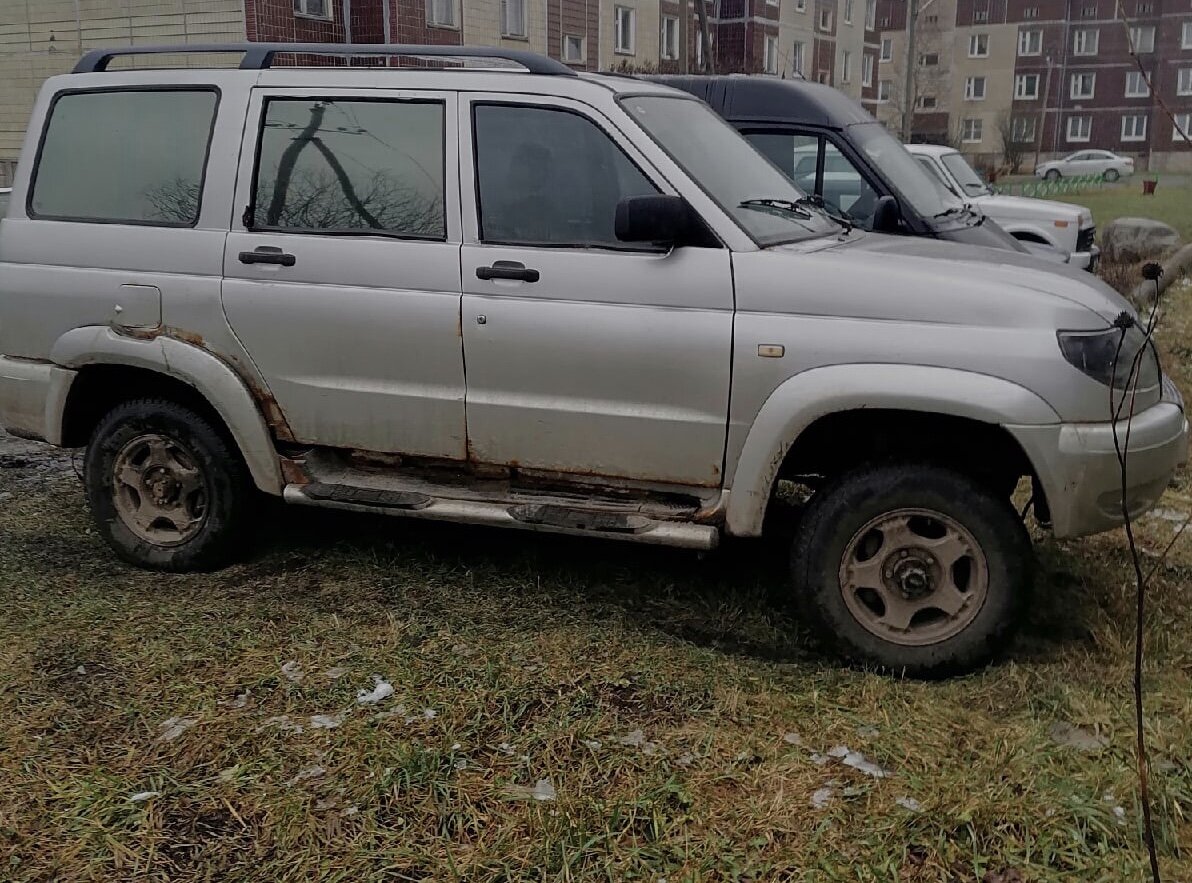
x=1130 y=240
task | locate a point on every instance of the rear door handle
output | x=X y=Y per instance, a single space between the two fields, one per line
x=267 y=254
x=508 y=270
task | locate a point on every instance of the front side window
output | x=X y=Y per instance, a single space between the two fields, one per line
x=901 y=169
x=549 y=177
x=349 y=165
x=1136 y=86
x=1084 y=85
x=757 y=196
x=1026 y=87
x=972 y=130
x=1134 y=127
x=1030 y=42
x=1142 y=38
x=1080 y=128
x=974 y=89
x=670 y=37
x=441 y=13
x=513 y=18
x=313 y=8
x=146 y=153
x=624 y=30
x=965 y=175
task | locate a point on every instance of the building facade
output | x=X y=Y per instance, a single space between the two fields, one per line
x=1013 y=81
x=832 y=41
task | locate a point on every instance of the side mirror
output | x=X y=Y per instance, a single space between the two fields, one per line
x=886 y=215
x=660 y=219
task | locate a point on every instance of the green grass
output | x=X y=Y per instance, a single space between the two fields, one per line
x=1171 y=204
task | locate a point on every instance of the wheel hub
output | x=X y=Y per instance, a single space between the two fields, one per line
x=912 y=574
x=159 y=491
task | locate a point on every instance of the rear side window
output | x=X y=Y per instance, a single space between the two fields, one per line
x=134 y=157
x=351 y=166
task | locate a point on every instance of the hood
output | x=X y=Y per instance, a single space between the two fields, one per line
x=916 y=279
x=998 y=206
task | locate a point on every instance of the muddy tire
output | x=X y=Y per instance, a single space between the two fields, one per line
x=911 y=568
x=168 y=490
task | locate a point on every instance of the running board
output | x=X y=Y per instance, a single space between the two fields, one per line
x=548 y=518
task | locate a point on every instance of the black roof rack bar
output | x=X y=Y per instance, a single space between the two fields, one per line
x=259 y=56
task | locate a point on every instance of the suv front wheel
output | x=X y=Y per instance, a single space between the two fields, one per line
x=912 y=568
x=167 y=489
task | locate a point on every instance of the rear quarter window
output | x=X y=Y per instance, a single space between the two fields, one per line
x=125 y=156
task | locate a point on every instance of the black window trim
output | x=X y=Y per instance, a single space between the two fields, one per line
x=629 y=247
x=367 y=232
x=125 y=222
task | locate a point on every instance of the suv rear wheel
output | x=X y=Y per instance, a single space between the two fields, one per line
x=915 y=569
x=167 y=489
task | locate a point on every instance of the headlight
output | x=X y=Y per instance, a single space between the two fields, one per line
x=1092 y=353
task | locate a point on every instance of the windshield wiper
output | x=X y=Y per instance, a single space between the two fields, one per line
x=785 y=206
x=818 y=201
x=955 y=210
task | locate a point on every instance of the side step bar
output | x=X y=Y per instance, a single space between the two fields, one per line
x=546 y=518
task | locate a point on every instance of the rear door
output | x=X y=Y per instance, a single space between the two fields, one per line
x=584 y=355
x=341 y=272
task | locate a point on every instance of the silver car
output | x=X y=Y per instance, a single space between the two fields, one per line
x=537 y=299
x=1104 y=163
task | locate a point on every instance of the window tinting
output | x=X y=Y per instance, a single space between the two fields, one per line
x=135 y=157
x=549 y=177
x=345 y=165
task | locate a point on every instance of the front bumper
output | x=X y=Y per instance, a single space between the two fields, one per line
x=32 y=398
x=1078 y=467
x=1086 y=260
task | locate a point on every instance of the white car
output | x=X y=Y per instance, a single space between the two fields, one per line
x=1069 y=228
x=1105 y=163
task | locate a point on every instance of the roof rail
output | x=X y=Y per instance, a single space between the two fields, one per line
x=259 y=56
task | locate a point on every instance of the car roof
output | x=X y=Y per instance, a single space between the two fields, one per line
x=741 y=98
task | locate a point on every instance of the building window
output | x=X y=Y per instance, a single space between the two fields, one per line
x=797 y=58
x=848 y=12
x=1022 y=130
x=931 y=19
x=974 y=89
x=979 y=46
x=1030 y=12
x=1030 y=42
x=800 y=5
x=929 y=59
x=441 y=13
x=1088 y=11
x=1136 y=85
x=573 y=48
x=313 y=9
x=971 y=131
x=1186 y=37
x=870 y=15
x=926 y=102
x=1142 y=38
x=887 y=49
x=1026 y=87
x=885 y=89
x=1085 y=41
x=1080 y=128
x=1184 y=83
x=1134 y=127
x=624 y=30
x=513 y=18
x=1084 y=85
x=670 y=38
x=980 y=16
x=825 y=20
x=1183 y=127
x=771 y=54
x=1144 y=9
x=699 y=48
x=846 y=66
x=866 y=70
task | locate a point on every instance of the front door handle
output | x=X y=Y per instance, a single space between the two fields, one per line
x=508 y=270
x=267 y=254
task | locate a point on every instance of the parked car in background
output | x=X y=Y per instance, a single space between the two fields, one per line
x=836 y=152
x=5 y=196
x=659 y=331
x=1069 y=228
x=1109 y=165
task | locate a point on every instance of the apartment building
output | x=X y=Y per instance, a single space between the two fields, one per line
x=1039 y=78
x=833 y=41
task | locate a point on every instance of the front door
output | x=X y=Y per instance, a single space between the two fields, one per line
x=584 y=355
x=342 y=274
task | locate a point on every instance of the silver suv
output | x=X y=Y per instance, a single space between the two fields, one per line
x=530 y=298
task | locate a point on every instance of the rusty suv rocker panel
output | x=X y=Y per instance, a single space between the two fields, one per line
x=212 y=378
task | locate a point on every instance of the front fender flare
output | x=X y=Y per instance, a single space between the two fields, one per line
x=1015 y=228
x=801 y=400
x=211 y=377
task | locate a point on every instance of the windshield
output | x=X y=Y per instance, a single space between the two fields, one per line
x=4 y=197
x=910 y=179
x=969 y=180
x=759 y=198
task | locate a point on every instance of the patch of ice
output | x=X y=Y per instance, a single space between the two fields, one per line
x=382 y=689
x=174 y=727
x=1173 y=515
x=637 y=739
x=909 y=804
x=429 y=714
x=142 y=796
x=792 y=739
x=351 y=810
x=505 y=748
x=327 y=721
x=857 y=761
x=240 y=701
x=821 y=798
x=283 y=724
x=685 y=760
x=592 y=744
x=542 y=790
x=819 y=759
x=1072 y=736
x=314 y=771
x=81 y=670
x=292 y=672
x=866 y=731
x=334 y=674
